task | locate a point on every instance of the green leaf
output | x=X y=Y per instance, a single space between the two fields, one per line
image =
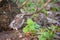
x=28 y=4
x=31 y=26
x=21 y=1
x=40 y=3
x=53 y=27
x=58 y=8
x=37 y=26
x=26 y=29
x=41 y=37
x=46 y=34
x=44 y=11
x=34 y=15
x=32 y=9
x=30 y=22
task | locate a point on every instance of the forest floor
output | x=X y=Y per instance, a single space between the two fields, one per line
x=40 y=20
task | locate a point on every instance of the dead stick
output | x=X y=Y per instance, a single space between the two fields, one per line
x=23 y=4
x=43 y=6
x=16 y=2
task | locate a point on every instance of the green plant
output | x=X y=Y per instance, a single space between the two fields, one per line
x=31 y=26
x=44 y=11
x=45 y=34
x=41 y=2
x=53 y=28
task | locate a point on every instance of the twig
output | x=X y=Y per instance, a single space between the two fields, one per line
x=23 y=4
x=44 y=5
x=16 y=2
x=9 y=8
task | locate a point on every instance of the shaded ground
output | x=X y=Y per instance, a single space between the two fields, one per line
x=7 y=15
x=15 y=35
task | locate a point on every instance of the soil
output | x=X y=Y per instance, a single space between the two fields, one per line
x=8 y=10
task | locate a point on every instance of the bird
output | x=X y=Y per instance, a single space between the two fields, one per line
x=17 y=22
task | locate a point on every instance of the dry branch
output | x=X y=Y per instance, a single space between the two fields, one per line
x=44 y=5
x=23 y=4
x=16 y=2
